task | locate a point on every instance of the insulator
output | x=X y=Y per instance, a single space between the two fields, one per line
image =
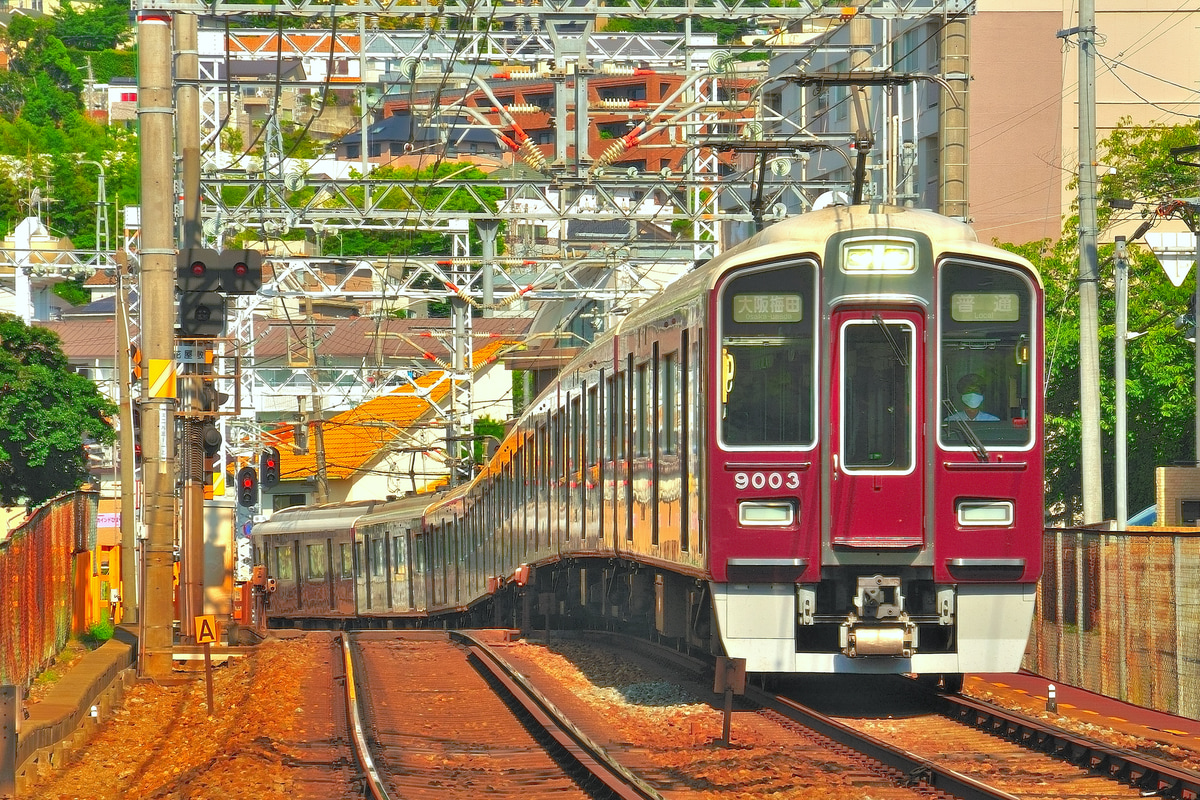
x=524 y=109
x=612 y=104
x=532 y=155
x=611 y=153
x=609 y=68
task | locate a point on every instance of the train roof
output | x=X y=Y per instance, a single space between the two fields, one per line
x=308 y=519
x=402 y=510
x=809 y=232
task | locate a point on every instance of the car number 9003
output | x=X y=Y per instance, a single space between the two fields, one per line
x=766 y=480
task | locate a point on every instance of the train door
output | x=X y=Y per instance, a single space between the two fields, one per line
x=877 y=496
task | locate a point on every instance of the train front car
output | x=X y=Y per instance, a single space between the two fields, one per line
x=875 y=481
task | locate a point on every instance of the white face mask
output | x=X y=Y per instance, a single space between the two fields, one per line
x=972 y=400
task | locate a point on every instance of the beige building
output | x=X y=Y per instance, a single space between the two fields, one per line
x=1022 y=105
x=1024 y=100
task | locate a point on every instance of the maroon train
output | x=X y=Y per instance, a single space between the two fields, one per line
x=820 y=452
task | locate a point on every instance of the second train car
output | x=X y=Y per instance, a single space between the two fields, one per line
x=821 y=452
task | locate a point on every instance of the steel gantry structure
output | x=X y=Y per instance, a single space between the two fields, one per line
x=713 y=115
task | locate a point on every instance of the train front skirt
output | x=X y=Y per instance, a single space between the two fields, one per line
x=758 y=622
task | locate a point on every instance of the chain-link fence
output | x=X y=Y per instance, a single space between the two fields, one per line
x=1119 y=614
x=37 y=583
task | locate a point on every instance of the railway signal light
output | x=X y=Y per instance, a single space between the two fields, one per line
x=210 y=437
x=269 y=467
x=204 y=277
x=241 y=271
x=247 y=488
x=196 y=270
x=201 y=315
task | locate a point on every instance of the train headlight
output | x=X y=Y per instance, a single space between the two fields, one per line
x=758 y=513
x=879 y=256
x=985 y=513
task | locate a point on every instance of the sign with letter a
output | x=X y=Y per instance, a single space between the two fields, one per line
x=206 y=629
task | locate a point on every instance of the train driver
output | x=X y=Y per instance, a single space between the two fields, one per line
x=970 y=389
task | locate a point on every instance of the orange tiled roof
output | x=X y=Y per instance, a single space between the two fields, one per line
x=354 y=438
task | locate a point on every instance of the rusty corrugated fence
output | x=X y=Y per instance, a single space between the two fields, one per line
x=1118 y=613
x=37 y=583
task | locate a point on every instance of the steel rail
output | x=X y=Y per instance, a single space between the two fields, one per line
x=1116 y=763
x=362 y=753
x=920 y=771
x=587 y=753
x=915 y=770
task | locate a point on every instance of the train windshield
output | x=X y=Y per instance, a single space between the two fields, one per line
x=766 y=363
x=987 y=336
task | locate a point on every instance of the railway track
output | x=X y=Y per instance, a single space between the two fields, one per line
x=444 y=719
x=445 y=715
x=958 y=746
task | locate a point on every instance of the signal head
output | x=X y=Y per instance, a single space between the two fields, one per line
x=241 y=271
x=247 y=488
x=269 y=466
x=196 y=270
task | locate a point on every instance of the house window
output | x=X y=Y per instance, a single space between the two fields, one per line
x=281 y=501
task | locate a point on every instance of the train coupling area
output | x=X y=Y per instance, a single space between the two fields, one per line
x=879 y=625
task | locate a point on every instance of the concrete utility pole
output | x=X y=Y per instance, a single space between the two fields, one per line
x=130 y=590
x=191 y=450
x=1089 y=334
x=155 y=110
x=955 y=48
x=321 y=495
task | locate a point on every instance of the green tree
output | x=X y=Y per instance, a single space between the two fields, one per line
x=1160 y=399
x=41 y=85
x=46 y=412
x=95 y=25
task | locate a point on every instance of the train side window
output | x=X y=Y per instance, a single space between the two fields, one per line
x=641 y=411
x=987 y=327
x=377 y=558
x=670 y=403
x=316 y=562
x=593 y=426
x=283 y=563
x=619 y=413
x=573 y=436
x=347 y=559
x=610 y=424
x=766 y=370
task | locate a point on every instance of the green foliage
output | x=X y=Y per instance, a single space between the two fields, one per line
x=518 y=389
x=41 y=84
x=106 y=64
x=43 y=132
x=100 y=632
x=486 y=429
x=96 y=25
x=73 y=292
x=1160 y=398
x=431 y=195
x=46 y=410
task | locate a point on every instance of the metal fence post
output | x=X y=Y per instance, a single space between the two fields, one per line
x=8 y=741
